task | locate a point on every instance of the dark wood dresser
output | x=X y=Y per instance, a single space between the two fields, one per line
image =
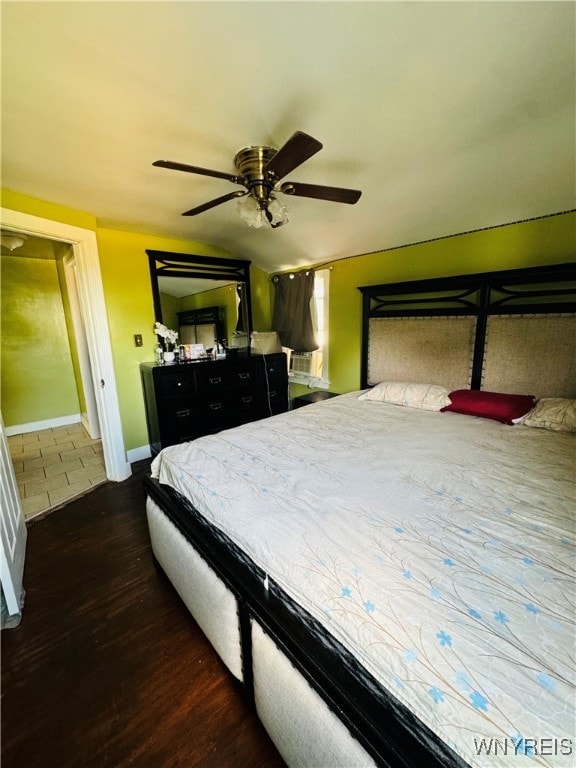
x=188 y=400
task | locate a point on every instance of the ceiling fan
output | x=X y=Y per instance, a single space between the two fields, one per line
x=260 y=170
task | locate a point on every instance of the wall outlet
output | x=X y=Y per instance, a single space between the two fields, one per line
x=137 y=339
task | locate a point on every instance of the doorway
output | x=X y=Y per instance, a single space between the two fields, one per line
x=90 y=296
x=53 y=443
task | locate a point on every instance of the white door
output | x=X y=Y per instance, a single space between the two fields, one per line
x=90 y=417
x=13 y=532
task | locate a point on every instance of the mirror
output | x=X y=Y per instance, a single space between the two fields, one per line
x=202 y=297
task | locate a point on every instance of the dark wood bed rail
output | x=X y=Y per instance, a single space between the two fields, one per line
x=534 y=290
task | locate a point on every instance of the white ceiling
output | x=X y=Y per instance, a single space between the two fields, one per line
x=449 y=116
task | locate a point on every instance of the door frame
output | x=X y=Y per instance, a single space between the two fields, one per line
x=93 y=308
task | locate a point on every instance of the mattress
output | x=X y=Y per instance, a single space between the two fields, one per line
x=438 y=548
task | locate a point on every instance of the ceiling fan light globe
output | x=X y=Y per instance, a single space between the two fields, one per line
x=250 y=211
x=279 y=212
x=247 y=208
x=258 y=221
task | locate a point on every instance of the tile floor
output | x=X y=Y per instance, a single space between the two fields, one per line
x=54 y=466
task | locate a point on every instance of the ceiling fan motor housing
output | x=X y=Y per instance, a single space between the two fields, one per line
x=250 y=163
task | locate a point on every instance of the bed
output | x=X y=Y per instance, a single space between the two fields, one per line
x=393 y=583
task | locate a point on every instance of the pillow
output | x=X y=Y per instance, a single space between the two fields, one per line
x=555 y=413
x=428 y=397
x=490 y=405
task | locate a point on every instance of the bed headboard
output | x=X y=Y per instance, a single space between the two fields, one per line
x=511 y=331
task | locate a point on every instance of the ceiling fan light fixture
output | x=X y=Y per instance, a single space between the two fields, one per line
x=256 y=213
x=278 y=212
x=249 y=211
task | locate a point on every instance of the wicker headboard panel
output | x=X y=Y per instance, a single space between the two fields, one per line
x=512 y=331
x=426 y=350
x=532 y=354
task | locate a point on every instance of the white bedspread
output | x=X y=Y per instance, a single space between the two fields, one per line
x=438 y=547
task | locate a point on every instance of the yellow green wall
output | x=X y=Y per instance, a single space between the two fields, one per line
x=126 y=280
x=37 y=379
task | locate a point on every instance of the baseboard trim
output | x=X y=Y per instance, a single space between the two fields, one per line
x=36 y=426
x=137 y=454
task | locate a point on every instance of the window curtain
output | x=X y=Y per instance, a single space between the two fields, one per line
x=292 y=318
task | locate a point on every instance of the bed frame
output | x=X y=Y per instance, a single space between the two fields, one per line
x=318 y=710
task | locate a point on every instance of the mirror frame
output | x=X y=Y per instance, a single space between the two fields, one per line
x=205 y=267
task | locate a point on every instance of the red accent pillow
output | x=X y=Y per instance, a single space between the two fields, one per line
x=490 y=405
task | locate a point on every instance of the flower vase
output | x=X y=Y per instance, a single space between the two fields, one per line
x=169 y=356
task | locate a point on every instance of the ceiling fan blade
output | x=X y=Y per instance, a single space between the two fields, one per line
x=335 y=194
x=214 y=203
x=195 y=169
x=293 y=153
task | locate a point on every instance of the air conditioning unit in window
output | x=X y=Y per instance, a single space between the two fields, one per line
x=306 y=364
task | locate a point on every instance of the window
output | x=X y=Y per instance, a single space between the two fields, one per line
x=311 y=368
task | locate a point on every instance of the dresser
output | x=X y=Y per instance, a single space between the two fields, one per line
x=187 y=400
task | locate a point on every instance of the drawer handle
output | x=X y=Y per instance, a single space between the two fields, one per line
x=244 y=376
x=247 y=399
x=273 y=393
x=215 y=380
x=215 y=406
x=183 y=414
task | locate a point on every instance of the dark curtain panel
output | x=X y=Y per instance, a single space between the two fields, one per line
x=292 y=318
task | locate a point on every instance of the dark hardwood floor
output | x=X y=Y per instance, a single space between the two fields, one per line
x=107 y=667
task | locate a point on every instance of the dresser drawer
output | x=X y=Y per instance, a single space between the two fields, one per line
x=213 y=404
x=180 y=381
x=214 y=378
x=190 y=416
x=275 y=368
x=179 y=417
x=246 y=399
x=210 y=379
x=278 y=398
